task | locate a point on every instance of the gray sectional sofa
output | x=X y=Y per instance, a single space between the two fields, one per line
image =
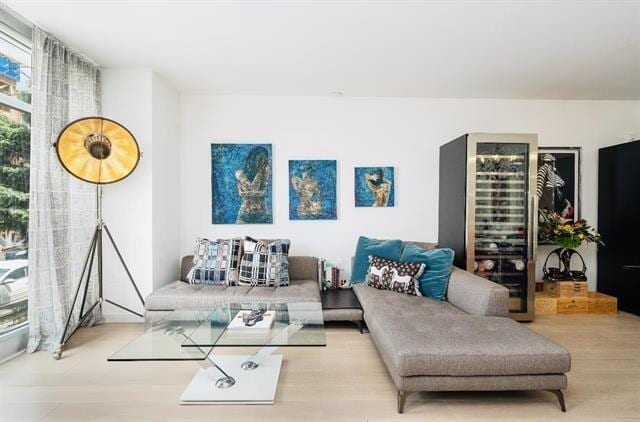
x=463 y=344
x=466 y=343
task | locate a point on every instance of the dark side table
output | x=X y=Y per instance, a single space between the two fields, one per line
x=342 y=305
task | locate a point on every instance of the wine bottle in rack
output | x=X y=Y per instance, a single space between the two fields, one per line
x=486 y=265
x=518 y=264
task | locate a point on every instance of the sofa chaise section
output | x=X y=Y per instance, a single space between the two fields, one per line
x=462 y=344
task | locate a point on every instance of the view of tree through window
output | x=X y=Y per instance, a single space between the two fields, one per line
x=15 y=132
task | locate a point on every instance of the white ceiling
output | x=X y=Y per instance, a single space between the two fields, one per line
x=551 y=49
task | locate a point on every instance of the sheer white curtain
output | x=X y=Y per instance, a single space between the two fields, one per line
x=62 y=213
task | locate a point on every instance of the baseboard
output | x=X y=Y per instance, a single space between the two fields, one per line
x=13 y=343
x=107 y=318
x=12 y=356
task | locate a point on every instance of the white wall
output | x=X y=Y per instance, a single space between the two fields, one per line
x=401 y=132
x=126 y=98
x=165 y=177
x=141 y=211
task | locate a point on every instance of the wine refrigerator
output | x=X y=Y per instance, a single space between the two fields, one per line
x=488 y=211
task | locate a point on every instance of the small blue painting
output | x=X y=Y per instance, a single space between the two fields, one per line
x=374 y=187
x=241 y=184
x=312 y=190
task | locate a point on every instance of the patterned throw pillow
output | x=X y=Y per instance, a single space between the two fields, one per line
x=216 y=262
x=401 y=277
x=265 y=264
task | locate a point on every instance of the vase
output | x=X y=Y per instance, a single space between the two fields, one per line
x=564 y=272
x=565 y=261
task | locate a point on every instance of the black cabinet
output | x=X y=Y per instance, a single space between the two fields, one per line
x=618 y=214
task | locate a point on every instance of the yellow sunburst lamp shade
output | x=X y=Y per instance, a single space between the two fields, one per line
x=97 y=150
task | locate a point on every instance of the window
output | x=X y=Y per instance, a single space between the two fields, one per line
x=15 y=133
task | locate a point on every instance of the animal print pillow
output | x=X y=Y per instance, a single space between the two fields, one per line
x=401 y=277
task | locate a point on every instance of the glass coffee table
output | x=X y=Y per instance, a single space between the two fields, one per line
x=195 y=334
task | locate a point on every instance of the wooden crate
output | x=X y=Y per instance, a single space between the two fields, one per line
x=546 y=303
x=567 y=288
x=599 y=303
x=573 y=305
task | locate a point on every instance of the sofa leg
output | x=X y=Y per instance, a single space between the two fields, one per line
x=402 y=398
x=560 y=397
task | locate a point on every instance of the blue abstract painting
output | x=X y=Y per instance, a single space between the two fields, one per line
x=241 y=184
x=312 y=190
x=374 y=187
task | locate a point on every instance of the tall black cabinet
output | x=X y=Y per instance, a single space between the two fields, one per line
x=488 y=211
x=619 y=225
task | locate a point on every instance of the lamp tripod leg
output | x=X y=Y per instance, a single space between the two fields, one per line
x=84 y=318
x=86 y=285
x=58 y=353
x=115 y=247
x=100 y=229
x=95 y=248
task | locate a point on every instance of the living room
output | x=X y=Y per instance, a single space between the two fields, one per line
x=318 y=210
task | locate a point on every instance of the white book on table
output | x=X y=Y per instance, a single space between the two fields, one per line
x=238 y=323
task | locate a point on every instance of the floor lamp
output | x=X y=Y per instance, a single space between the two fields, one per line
x=99 y=151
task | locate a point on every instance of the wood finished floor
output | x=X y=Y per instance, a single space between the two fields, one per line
x=346 y=381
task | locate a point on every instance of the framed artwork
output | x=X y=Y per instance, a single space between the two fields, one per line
x=312 y=190
x=558 y=184
x=241 y=184
x=374 y=187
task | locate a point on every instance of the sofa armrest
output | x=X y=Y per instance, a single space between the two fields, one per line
x=476 y=295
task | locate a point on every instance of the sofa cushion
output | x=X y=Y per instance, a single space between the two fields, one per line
x=300 y=267
x=303 y=268
x=216 y=262
x=382 y=303
x=476 y=295
x=464 y=345
x=438 y=262
x=296 y=291
x=186 y=263
x=179 y=295
x=264 y=264
x=399 y=277
x=423 y=245
x=388 y=249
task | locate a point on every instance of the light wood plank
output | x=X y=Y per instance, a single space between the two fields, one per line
x=345 y=381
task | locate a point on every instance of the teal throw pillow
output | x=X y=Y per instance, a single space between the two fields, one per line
x=388 y=249
x=434 y=279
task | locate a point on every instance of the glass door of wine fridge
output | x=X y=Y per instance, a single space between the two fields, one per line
x=501 y=212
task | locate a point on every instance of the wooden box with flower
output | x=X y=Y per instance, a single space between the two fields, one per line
x=569 y=235
x=565 y=289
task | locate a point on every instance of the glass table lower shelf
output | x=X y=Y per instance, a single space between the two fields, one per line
x=193 y=336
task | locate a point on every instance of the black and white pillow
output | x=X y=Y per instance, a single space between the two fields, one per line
x=401 y=277
x=216 y=262
x=265 y=264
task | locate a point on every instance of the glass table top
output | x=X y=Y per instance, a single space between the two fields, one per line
x=191 y=335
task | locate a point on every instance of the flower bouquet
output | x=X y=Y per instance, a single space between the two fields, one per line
x=555 y=229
